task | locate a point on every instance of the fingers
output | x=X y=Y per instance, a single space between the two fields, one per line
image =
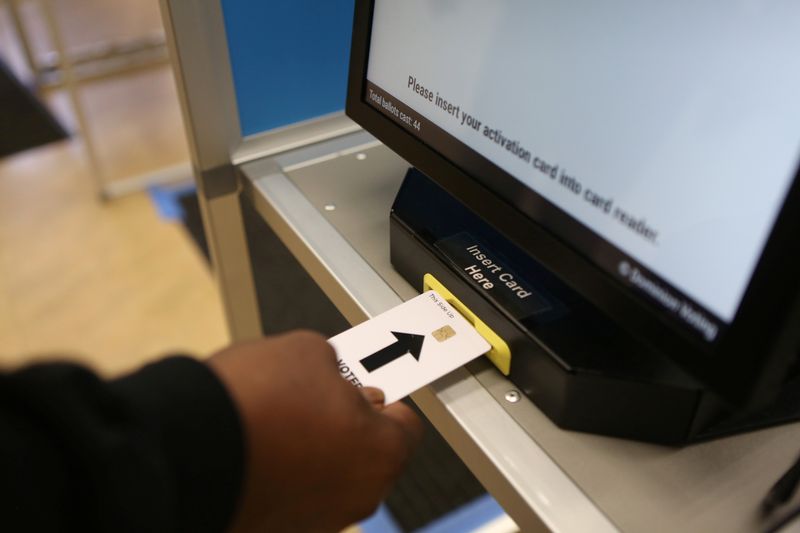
x=314 y=349
x=375 y=397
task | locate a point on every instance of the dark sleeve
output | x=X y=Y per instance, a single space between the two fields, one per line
x=160 y=450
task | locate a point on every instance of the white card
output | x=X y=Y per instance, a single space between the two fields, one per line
x=407 y=347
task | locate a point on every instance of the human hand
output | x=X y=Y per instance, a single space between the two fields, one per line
x=320 y=454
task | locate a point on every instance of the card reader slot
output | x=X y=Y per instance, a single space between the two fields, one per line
x=500 y=354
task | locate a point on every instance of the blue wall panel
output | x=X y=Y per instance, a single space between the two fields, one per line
x=289 y=59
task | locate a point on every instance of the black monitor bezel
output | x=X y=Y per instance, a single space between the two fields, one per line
x=748 y=363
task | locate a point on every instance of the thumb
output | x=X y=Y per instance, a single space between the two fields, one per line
x=374 y=396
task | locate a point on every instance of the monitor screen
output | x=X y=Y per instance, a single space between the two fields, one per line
x=662 y=155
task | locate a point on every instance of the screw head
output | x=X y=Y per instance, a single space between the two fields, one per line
x=512 y=396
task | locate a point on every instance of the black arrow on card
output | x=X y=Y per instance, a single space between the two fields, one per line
x=406 y=343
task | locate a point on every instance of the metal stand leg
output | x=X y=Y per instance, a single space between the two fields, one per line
x=24 y=39
x=224 y=227
x=207 y=97
x=73 y=90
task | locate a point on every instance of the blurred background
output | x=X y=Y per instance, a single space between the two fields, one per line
x=92 y=264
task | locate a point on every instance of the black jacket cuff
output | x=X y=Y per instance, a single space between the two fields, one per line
x=194 y=418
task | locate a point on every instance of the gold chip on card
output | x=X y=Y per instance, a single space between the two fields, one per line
x=444 y=333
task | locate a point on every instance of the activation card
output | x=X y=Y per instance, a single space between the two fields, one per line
x=407 y=347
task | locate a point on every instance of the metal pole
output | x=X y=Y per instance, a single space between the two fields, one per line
x=73 y=89
x=24 y=39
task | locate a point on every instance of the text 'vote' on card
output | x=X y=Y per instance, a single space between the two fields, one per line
x=407 y=347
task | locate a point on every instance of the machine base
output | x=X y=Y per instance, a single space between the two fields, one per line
x=582 y=370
